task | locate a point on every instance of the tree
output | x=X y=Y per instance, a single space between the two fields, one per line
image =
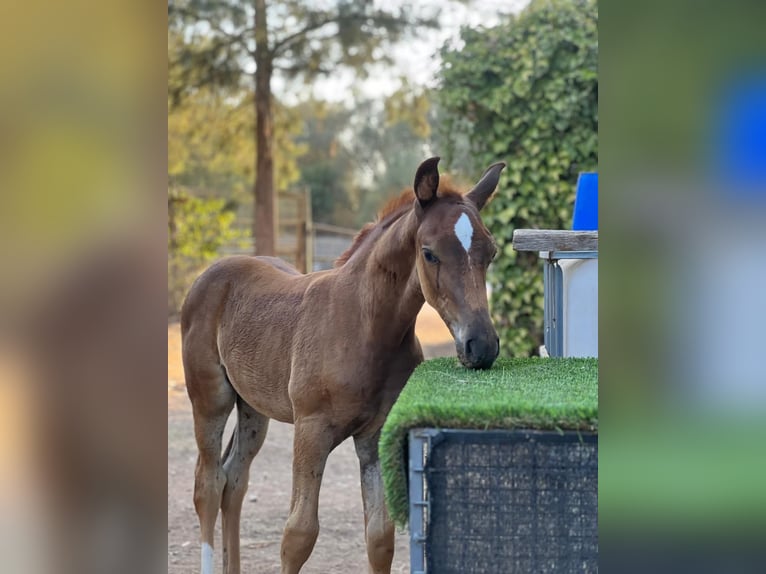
x=356 y=158
x=223 y=39
x=211 y=145
x=327 y=167
x=526 y=92
x=391 y=139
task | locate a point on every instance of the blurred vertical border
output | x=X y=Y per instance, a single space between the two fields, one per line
x=683 y=266
x=82 y=287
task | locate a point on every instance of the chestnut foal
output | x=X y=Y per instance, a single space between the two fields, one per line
x=329 y=352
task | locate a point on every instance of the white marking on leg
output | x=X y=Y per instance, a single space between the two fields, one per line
x=207 y=558
x=464 y=231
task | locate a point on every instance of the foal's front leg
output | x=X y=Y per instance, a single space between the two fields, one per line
x=378 y=526
x=311 y=446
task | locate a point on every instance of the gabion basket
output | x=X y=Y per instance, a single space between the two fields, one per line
x=503 y=502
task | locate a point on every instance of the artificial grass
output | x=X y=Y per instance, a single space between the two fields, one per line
x=530 y=393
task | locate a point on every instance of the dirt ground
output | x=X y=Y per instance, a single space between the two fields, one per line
x=340 y=547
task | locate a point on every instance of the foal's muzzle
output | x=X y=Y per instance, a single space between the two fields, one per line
x=478 y=351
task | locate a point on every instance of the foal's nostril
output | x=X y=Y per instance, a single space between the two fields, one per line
x=469 y=347
x=479 y=353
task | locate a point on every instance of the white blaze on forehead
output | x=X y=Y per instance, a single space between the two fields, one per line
x=464 y=231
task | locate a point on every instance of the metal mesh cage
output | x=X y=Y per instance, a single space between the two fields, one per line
x=512 y=502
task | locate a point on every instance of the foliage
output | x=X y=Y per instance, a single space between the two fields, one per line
x=306 y=39
x=197 y=230
x=410 y=105
x=357 y=158
x=220 y=42
x=210 y=144
x=211 y=148
x=525 y=92
x=515 y=393
x=390 y=143
x=327 y=166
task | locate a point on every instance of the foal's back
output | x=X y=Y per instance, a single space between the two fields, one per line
x=238 y=325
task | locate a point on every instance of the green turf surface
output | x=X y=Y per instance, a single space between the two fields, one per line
x=530 y=393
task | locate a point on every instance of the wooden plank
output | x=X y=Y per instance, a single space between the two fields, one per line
x=326 y=227
x=554 y=240
x=292 y=222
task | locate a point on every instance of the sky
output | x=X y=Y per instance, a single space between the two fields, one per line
x=416 y=59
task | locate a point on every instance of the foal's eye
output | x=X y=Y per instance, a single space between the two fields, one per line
x=429 y=256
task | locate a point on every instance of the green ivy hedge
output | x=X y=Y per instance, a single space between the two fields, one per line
x=526 y=92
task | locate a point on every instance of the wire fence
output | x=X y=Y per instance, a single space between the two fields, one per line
x=326 y=242
x=306 y=244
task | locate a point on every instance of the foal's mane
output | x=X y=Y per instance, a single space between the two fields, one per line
x=390 y=212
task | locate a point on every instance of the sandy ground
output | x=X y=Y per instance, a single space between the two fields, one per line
x=340 y=547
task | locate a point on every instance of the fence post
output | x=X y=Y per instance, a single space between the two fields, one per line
x=309 y=231
x=300 y=232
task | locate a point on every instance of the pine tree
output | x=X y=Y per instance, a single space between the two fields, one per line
x=223 y=42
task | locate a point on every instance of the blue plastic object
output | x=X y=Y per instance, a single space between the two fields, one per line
x=586 y=203
x=740 y=139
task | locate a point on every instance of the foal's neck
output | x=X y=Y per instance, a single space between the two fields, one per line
x=390 y=290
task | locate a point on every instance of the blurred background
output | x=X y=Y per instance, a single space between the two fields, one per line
x=682 y=383
x=283 y=127
x=92 y=226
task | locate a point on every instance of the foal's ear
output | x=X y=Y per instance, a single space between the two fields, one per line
x=482 y=191
x=427 y=181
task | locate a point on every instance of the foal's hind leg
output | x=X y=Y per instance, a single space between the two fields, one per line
x=212 y=400
x=245 y=443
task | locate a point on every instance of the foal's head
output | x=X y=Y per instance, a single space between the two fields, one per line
x=454 y=250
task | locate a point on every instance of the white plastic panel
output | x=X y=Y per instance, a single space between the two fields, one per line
x=580 y=321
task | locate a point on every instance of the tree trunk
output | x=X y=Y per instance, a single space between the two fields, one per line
x=264 y=228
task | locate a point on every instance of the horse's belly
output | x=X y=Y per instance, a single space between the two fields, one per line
x=264 y=396
x=260 y=376
x=271 y=404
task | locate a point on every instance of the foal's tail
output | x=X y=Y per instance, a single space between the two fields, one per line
x=233 y=436
x=229 y=445
x=239 y=402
